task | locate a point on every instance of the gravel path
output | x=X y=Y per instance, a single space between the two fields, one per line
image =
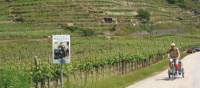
x=191 y=65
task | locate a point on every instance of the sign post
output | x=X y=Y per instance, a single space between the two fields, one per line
x=62 y=72
x=61 y=52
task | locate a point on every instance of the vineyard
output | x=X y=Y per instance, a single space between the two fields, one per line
x=41 y=18
x=100 y=50
x=101 y=58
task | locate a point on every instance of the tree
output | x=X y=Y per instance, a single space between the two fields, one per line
x=181 y=1
x=171 y=1
x=143 y=15
x=175 y=1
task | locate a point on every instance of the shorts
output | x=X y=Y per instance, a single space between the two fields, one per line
x=171 y=60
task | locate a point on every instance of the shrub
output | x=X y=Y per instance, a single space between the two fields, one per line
x=10 y=78
x=171 y=1
x=176 y=1
x=81 y=31
x=114 y=28
x=8 y=0
x=86 y=32
x=143 y=15
x=18 y=19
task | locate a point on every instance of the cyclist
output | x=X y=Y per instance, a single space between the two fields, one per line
x=173 y=55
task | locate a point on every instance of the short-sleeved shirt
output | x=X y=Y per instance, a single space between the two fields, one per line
x=174 y=53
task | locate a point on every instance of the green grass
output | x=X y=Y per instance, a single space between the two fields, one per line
x=91 y=48
x=14 y=78
x=37 y=12
x=128 y=79
x=18 y=47
x=124 y=80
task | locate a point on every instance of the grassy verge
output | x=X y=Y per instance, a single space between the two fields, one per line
x=131 y=78
x=125 y=80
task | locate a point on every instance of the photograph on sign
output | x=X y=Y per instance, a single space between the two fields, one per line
x=61 y=49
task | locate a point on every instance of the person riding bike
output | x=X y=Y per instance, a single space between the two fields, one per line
x=173 y=55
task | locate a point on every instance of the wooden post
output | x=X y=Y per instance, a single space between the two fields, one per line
x=122 y=68
x=62 y=72
x=36 y=62
x=49 y=60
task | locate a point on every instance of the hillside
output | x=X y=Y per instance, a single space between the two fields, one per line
x=40 y=18
x=113 y=43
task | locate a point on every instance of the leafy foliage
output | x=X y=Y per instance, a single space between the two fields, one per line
x=143 y=15
x=42 y=73
x=171 y=1
x=12 y=78
x=81 y=31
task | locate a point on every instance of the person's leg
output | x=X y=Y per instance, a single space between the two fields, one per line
x=170 y=64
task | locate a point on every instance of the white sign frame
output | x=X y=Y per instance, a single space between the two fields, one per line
x=61 y=49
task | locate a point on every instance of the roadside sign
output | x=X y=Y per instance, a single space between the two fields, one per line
x=61 y=49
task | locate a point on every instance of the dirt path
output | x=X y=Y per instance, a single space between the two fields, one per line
x=192 y=76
